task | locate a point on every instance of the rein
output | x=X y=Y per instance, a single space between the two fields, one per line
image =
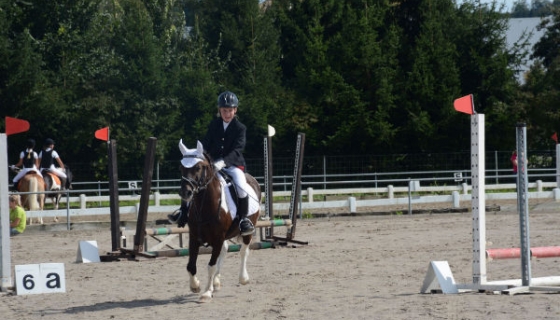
x=200 y=186
x=203 y=182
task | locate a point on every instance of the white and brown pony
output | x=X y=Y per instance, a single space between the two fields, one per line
x=35 y=200
x=210 y=217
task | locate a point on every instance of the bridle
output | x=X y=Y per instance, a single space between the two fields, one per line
x=203 y=181
x=200 y=185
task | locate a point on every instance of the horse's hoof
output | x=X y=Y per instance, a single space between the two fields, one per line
x=195 y=290
x=206 y=297
x=243 y=281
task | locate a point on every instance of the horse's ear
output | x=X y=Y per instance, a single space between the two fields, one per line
x=199 y=148
x=182 y=147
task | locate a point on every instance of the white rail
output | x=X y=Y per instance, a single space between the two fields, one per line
x=422 y=195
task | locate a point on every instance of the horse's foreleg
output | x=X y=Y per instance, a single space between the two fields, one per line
x=243 y=274
x=194 y=283
x=207 y=295
x=213 y=270
x=221 y=258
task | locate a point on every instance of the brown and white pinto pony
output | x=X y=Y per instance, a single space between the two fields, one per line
x=210 y=220
x=54 y=185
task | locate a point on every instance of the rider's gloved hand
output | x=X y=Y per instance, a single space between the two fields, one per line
x=219 y=165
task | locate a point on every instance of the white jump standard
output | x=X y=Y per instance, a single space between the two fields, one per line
x=440 y=277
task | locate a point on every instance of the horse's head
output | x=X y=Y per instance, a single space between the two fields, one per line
x=196 y=171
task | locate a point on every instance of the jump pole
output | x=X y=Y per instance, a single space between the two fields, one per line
x=515 y=253
x=177 y=230
x=207 y=250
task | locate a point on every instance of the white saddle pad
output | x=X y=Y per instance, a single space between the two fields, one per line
x=229 y=205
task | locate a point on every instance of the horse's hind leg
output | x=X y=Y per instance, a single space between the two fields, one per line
x=243 y=274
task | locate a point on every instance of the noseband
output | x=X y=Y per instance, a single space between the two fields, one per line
x=202 y=183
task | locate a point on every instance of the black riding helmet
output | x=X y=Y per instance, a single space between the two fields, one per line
x=30 y=144
x=48 y=142
x=227 y=99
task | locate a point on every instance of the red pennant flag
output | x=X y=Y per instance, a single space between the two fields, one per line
x=555 y=137
x=102 y=134
x=464 y=104
x=14 y=126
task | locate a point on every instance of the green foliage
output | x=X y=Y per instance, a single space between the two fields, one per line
x=357 y=77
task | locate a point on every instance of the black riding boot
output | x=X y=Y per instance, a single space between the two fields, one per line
x=177 y=214
x=245 y=225
x=62 y=183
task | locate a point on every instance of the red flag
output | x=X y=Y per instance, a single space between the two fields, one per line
x=555 y=137
x=102 y=134
x=14 y=126
x=464 y=104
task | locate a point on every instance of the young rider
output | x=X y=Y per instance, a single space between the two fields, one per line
x=224 y=142
x=28 y=161
x=47 y=157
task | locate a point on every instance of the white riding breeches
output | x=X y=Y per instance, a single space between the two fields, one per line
x=23 y=172
x=239 y=179
x=57 y=171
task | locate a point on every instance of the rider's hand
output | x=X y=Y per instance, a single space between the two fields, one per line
x=219 y=165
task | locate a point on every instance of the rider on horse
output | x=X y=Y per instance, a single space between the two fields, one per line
x=224 y=142
x=29 y=160
x=47 y=157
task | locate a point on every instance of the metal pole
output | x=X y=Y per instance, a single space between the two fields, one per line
x=523 y=203
x=557 y=165
x=296 y=184
x=67 y=210
x=325 y=172
x=496 y=165
x=409 y=196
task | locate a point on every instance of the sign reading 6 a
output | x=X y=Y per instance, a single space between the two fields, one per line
x=40 y=278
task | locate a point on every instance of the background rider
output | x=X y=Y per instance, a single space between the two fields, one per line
x=47 y=157
x=28 y=161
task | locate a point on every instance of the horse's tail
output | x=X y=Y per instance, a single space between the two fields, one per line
x=32 y=198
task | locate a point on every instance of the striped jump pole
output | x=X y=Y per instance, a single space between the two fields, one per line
x=206 y=250
x=177 y=230
x=514 y=253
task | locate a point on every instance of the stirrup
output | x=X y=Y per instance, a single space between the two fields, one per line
x=174 y=217
x=246 y=227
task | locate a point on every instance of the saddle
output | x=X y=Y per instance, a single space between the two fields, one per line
x=18 y=186
x=231 y=186
x=54 y=178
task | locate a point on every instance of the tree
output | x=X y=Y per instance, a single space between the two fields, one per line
x=487 y=70
x=432 y=78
